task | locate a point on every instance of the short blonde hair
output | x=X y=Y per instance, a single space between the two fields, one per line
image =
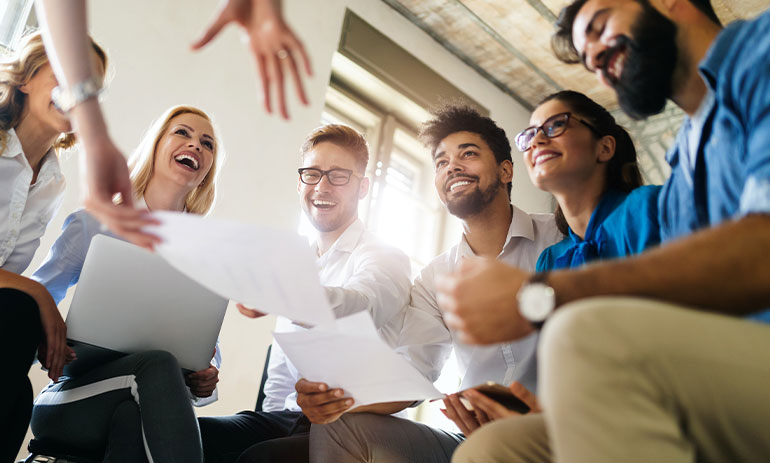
x=343 y=136
x=15 y=71
x=142 y=161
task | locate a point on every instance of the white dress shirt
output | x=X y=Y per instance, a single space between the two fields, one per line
x=427 y=342
x=359 y=273
x=25 y=208
x=62 y=266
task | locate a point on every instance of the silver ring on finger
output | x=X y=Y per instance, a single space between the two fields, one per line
x=282 y=54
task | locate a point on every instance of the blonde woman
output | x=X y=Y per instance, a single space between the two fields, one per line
x=138 y=406
x=32 y=133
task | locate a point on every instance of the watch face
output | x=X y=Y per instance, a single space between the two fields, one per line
x=536 y=302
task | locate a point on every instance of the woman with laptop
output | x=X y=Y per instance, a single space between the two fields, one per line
x=32 y=134
x=138 y=406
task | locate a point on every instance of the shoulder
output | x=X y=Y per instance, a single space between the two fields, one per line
x=546 y=231
x=440 y=264
x=743 y=75
x=646 y=196
x=547 y=259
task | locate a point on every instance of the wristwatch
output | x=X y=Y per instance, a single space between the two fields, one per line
x=67 y=98
x=536 y=299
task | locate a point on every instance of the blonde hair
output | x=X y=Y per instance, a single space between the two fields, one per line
x=15 y=71
x=142 y=161
x=343 y=136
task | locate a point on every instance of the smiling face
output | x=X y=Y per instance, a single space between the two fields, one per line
x=573 y=158
x=631 y=47
x=39 y=106
x=332 y=208
x=185 y=152
x=468 y=177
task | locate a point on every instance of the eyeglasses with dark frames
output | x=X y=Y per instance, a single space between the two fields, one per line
x=313 y=176
x=551 y=128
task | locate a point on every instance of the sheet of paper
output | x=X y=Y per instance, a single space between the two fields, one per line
x=353 y=357
x=269 y=270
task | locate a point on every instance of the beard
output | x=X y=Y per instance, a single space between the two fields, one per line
x=473 y=202
x=646 y=80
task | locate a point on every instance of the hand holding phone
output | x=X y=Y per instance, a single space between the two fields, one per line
x=500 y=394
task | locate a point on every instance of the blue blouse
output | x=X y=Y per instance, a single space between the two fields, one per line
x=622 y=224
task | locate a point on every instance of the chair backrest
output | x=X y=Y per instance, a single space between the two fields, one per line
x=261 y=393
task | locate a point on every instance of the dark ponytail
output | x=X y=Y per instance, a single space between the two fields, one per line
x=623 y=172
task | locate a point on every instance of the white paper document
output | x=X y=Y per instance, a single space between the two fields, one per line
x=352 y=356
x=269 y=270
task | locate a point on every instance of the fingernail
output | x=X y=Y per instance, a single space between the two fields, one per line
x=338 y=393
x=349 y=402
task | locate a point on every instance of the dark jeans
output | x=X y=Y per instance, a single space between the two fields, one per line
x=20 y=334
x=251 y=437
x=140 y=398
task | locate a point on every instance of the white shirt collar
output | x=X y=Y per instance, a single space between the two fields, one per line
x=48 y=165
x=521 y=227
x=348 y=240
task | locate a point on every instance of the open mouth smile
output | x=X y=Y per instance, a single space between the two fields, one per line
x=613 y=68
x=323 y=204
x=188 y=160
x=458 y=182
x=543 y=157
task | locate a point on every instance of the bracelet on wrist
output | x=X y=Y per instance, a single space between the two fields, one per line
x=67 y=98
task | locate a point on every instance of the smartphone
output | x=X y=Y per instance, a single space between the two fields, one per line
x=498 y=393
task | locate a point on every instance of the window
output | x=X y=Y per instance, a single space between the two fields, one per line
x=13 y=21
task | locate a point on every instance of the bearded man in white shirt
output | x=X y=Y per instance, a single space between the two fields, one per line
x=473 y=174
x=359 y=273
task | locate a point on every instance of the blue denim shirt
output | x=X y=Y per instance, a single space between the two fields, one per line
x=731 y=174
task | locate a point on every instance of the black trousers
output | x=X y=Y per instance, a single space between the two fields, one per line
x=20 y=334
x=252 y=437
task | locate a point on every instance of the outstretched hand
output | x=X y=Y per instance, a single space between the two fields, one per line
x=275 y=47
x=106 y=174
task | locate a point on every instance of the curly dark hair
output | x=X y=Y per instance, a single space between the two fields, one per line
x=451 y=119
x=561 y=40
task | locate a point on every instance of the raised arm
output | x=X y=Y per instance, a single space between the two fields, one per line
x=65 y=33
x=379 y=284
x=274 y=45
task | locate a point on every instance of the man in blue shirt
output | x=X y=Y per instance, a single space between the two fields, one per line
x=676 y=373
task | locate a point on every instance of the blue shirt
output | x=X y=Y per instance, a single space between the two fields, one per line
x=622 y=224
x=730 y=177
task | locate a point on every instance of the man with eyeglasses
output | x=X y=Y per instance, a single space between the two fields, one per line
x=473 y=178
x=674 y=365
x=359 y=273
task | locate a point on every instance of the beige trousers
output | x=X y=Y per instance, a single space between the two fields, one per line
x=635 y=380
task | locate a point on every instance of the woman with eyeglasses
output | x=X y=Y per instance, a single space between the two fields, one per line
x=575 y=150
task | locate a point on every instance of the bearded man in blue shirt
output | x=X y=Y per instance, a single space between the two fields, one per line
x=671 y=364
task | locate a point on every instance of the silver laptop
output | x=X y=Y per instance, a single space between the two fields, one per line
x=130 y=300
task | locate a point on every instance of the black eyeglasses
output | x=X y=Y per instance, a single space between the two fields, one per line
x=313 y=176
x=551 y=128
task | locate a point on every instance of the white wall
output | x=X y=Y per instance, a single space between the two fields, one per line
x=147 y=42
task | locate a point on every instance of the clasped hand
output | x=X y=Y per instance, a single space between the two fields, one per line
x=484 y=409
x=479 y=301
